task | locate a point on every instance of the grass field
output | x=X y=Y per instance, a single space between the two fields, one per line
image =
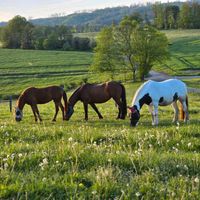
x=98 y=159
x=184 y=49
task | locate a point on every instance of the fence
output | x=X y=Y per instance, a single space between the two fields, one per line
x=9 y=101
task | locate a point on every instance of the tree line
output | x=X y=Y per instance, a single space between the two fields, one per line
x=168 y=16
x=20 y=33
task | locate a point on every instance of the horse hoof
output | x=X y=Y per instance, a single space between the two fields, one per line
x=53 y=120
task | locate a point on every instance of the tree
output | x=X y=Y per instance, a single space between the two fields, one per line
x=185 y=18
x=122 y=38
x=105 y=52
x=150 y=46
x=158 y=10
x=13 y=33
x=172 y=13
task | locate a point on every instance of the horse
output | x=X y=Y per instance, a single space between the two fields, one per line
x=98 y=93
x=156 y=94
x=33 y=96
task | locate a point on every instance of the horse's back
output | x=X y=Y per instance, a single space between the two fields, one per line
x=43 y=95
x=98 y=93
x=166 y=91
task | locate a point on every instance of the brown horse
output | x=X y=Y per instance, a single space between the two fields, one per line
x=33 y=96
x=99 y=93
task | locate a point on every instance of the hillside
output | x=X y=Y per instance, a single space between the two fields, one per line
x=99 y=17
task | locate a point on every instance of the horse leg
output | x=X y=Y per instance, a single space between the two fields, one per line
x=185 y=109
x=175 y=107
x=86 y=110
x=38 y=113
x=155 y=113
x=34 y=112
x=120 y=114
x=63 y=112
x=96 y=110
x=56 y=109
x=152 y=115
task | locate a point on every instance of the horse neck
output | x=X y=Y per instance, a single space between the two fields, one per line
x=21 y=102
x=139 y=99
x=74 y=98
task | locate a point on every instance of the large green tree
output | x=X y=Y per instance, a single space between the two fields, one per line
x=150 y=46
x=17 y=33
x=137 y=47
x=106 y=54
x=122 y=38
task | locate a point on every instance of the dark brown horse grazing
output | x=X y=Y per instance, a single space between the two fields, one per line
x=33 y=96
x=99 y=93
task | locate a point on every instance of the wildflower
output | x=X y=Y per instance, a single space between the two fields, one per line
x=45 y=161
x=186 y=167
x=109 y=160
x=117 y=152
x=137 y=194
x=5 y=166
x=81 y=185
x=70 y=139
x=44 y=179
x=6 y=133
x=189 y=144
x=196 y=180
x=94 y=192
x=57 y=161
x=5 y=159
x=20 y=155
x=12 y=156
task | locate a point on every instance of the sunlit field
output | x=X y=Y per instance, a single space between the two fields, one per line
x=96 y=159
x=100 y=159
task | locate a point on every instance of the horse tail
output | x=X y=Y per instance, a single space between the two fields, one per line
x=65 y=100
x=182 y=113
x=124 y=105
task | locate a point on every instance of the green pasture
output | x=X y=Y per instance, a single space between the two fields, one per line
x=25 y=68
x=100 y=159
x=97 y=159
x=184 y=46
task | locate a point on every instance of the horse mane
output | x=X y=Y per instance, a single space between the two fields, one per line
x=75 y=94
x=20 y=100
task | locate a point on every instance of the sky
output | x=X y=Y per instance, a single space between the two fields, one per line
x=32 y=9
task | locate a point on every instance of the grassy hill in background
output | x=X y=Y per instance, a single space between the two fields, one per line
x=24 y=68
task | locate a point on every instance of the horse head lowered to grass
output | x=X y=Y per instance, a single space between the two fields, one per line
x=156 y=94
x=33 y=96
x=98 y=93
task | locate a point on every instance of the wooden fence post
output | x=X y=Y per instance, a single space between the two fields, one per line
x=10 y=103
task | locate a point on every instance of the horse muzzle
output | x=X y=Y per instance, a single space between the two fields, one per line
x=17 y=119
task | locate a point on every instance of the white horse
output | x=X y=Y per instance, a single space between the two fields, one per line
x=156 y=94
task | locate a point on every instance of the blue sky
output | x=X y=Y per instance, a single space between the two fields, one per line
x=45 y=8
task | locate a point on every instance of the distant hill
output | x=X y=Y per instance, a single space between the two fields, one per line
x=99 y=17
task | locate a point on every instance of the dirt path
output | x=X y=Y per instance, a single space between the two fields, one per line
x=161 y=76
